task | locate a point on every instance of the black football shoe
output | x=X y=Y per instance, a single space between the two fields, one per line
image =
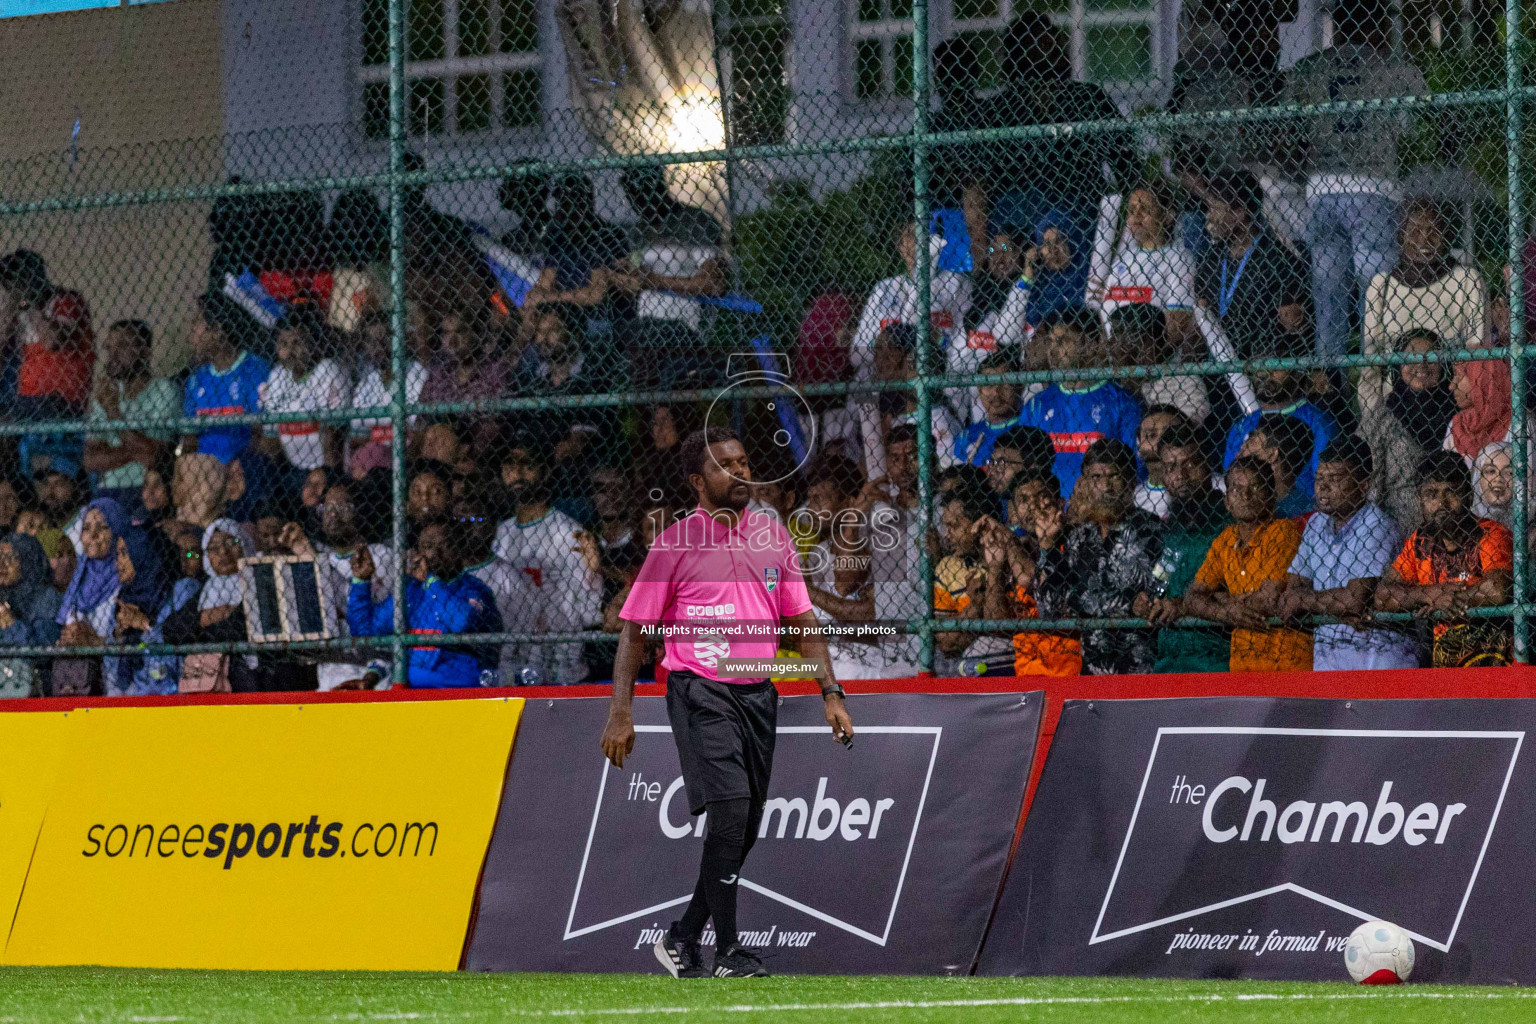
x=739 y=962
x=681 y=958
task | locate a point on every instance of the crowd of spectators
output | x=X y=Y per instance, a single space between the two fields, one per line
x=1126 y=490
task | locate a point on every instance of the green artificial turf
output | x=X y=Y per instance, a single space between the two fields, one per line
x=86 y=995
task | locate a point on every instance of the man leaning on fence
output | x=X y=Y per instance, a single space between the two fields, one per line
x=1453 y=562
x=1344 y=550
x=1244 y=571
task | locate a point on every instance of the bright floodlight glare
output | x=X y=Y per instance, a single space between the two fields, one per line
x=695 y=121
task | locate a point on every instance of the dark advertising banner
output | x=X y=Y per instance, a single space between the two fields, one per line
x=881 y=859
x=1247 y=837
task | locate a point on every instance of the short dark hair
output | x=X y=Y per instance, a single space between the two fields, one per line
x=138 y=330
x=975 y=501
x=1183 y=435
x=307 y=319
x=1279 y=344
x=1352 y=451
x=1031 y=476
x=963 y=475
x=901 y=432
x=901 y=336
x=838 y=470
x=536 y=454
x=1291 y=436
x=1257 y=466
x=696 y=446
x=1111 y=452
x=1033 y=445
x=1151 y=322
x=1180 y=417
x=239 y=328
x=1240 y=190
x=26 y=273
x=1075 y=318
x=1442 y=467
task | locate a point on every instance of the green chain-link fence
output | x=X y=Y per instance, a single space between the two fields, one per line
x=1222 y=367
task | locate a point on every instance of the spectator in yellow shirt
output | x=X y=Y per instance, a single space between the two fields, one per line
x=1244 y=573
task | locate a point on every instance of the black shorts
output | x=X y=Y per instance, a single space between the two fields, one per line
x=725 y=734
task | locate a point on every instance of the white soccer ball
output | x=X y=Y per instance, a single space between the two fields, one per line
x=1379 y=953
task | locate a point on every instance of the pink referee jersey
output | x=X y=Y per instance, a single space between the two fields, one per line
x=718 y=592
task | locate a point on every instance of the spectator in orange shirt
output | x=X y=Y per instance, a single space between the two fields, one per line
x=1244 y=573
x=1036 y=499
x=53 y=332
x=1452 y=562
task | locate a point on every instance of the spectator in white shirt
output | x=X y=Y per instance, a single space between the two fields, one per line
x=303 y=381
x=894 y=301
x=376 y=386
x=1139 y=337
x=1151 y=268
x=547 y=545
x=340 y=536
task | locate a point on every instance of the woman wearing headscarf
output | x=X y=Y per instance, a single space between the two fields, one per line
x=1411 y=421
x=29 y=605
x=217 y=616
x=1482 y=390
x=88 y=612
x=1054 y=278
x=1493 y=483
x=144 y=601
x=1426 y=291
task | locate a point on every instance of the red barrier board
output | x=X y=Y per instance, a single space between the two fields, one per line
x=1514 y=681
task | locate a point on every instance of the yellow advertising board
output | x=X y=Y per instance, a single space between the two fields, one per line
x=29 y=757
x=324 y=836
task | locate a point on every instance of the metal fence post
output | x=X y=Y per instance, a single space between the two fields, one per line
x=922 y=278
x=398 y=364
x=1513 y=130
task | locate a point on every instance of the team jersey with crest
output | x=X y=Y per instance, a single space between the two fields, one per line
x=325 y=387
x=1162 y=277
x=1076 y=418
x=234 y=392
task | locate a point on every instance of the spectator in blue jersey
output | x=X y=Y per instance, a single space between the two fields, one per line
x=1284 y=442
x=1000 y=405
x=226 y=381
x=440 y=598
x=1283 y=392
x=1076 y=413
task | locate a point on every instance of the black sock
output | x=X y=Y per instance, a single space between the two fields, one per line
x=725 y=846
x=691 y=926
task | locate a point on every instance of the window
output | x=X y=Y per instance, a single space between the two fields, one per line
x=882 y=48
x=1112 y=41
x=471 y=66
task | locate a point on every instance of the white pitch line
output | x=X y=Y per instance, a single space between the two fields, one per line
x=940 y=1004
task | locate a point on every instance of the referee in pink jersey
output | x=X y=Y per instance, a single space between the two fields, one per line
x=708 y=580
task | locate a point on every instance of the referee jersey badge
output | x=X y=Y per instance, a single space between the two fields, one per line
x=771 y=577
